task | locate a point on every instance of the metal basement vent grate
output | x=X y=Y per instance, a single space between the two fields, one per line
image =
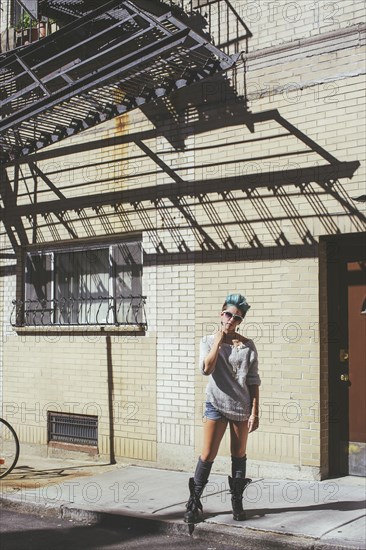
x=75 y=429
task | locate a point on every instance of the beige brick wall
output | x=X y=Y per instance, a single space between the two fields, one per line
x=108 y=376
x=204 y=237
x=274 y=22
x=285 y=333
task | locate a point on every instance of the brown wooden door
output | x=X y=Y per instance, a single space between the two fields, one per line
x=357 y=367
x=343 y=348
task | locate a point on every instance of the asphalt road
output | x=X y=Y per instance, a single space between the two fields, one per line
x=19 y=531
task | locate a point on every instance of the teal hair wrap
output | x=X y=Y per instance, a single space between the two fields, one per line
x=238 y=301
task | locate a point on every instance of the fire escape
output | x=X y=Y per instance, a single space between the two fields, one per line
x=105 y=59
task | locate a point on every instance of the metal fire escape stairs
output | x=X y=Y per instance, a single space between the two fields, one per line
x=103 y=62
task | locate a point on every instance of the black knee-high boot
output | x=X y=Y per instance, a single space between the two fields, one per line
x=196 y=486
x=237 y=483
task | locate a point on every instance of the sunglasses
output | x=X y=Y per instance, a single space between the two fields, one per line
x=230 y=315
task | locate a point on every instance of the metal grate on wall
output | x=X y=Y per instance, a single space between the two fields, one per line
x=74 y=429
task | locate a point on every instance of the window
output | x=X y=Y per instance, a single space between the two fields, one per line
x=97 y=285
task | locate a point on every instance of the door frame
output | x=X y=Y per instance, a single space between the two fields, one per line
x=334 y=253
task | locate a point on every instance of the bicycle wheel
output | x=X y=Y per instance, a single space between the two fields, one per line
x=9 y=448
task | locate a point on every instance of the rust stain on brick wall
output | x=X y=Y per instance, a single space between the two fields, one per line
x=122 y=124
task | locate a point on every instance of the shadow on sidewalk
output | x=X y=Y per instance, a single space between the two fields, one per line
x=341 y=506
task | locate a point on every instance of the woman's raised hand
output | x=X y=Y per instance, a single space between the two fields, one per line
x=219 y=337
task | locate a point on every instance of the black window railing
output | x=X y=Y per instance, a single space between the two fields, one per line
x=81 y=311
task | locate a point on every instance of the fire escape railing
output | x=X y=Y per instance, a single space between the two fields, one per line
x=101 y=65
x=21 y=25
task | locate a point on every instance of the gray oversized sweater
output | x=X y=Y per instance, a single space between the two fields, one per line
x=236 y=369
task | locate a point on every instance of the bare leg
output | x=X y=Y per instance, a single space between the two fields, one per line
x=238 y=438
x=213 y=432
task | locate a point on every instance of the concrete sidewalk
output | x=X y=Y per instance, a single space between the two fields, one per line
x=280 y=513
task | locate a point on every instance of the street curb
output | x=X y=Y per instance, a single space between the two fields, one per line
x=205 y=531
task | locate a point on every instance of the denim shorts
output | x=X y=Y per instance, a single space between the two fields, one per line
x=211 y=413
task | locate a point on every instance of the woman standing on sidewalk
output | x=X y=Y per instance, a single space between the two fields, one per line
x=232 y=397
